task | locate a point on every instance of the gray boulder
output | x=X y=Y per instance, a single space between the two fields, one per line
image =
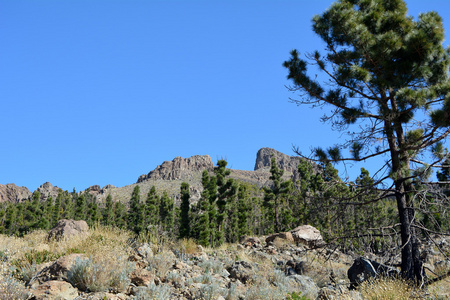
x=65 y=229
x=307 y=235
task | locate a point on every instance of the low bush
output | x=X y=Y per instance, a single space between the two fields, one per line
x=100 y=275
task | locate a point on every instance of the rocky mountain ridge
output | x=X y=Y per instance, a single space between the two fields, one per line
x=168 y=177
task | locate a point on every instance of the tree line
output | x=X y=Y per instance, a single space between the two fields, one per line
x=349 y=213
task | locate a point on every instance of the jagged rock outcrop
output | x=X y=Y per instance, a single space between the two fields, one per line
x=13 y=193
x=96 y=190
x=48 y=190
x=285 y=162
x=179 y=168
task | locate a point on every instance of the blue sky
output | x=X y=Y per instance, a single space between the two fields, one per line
x=100 y=92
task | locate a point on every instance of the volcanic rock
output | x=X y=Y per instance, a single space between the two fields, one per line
x=179 y=168
x=65 y=229
x=13 y=193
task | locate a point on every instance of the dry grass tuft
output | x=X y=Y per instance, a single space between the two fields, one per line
x=187 y=246
x=389 y=289
x=100 y=242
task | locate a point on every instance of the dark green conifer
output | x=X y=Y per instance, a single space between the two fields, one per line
x=184 y=229
x=166 y=212
x=135 y=212
x=152 y=204
x=80 y=208
x=108 y=211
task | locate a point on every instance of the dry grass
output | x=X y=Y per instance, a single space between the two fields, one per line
x=187 y=246
x=389 y=289
x=99 y=242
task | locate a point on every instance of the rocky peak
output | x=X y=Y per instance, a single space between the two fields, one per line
x=285 y=162
x=179 y=168
x=48 y=190
x=13 y=193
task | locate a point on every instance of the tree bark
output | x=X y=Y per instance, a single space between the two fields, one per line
x=412 y=265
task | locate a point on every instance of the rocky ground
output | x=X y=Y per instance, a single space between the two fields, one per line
x=103 y=263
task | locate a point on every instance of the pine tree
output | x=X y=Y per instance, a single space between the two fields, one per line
x=152 y=207
x=108 y=211
x=135 y=212
x=120 y=215
x=57 y=209
x=166 y=212
x=80 y=208
x=226 y=193
x=184 y=229
x=11 y=220
x=202 y=225
x=389 y=79
x=232 y=215
x=243 y=210
x=69 y=201
x=275 y=198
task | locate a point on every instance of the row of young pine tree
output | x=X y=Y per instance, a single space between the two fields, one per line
x=228 y=208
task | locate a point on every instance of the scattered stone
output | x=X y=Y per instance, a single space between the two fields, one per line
x=241 y=270
x=65 y=229
x=107 y=296
x=145 y=251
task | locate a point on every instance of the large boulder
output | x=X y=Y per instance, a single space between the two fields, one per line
x=65 y=229
x=55 y=289
x=308 y=235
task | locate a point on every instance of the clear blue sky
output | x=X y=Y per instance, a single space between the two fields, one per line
x=100 y=92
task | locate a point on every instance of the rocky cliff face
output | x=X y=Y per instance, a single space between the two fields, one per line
x=284 y=162
x=179 y=168
x=13 y=193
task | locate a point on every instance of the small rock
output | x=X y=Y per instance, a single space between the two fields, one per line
x=142 y=277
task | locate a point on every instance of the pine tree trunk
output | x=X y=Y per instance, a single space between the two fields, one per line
x=411 y=262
